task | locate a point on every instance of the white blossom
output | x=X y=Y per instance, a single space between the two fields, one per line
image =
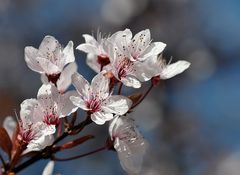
x=128 y=143
x=50 y=58
x=157 y=67
x=128 y=56
x=96 y=50
x=64 y=80
x=97 y=100
x=48 y=108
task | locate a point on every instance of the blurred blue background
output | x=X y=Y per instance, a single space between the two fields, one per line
x=192 y=121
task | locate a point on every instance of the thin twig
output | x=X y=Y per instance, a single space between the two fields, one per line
x=120 y=88
x=79 y=156
x=143 y=97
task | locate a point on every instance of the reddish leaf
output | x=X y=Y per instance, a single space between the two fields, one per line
x=135 y=97
x=5 y=141
x=76 y=142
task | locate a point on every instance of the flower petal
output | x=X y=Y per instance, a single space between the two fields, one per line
x=173 y=69
x=81 y=84
x=49 y=168
x=48 y=67
x=31 y=54
x=64 y=105
x=65 y=80
x=153 y=50
x=117 y=104
x=92 y=62
x=88 y=48
x=68 y=53
x=90 y=39
x=79 y=102
x=100 y=85
x=49 y=44
x=9 y=124
x=101 y=117
x=131 y=81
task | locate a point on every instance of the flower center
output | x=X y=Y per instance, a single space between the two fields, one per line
x=103 y=60
x=51 y=119
x=26 y=135
x=94 y=105
x=53 y=78
x=124 y=68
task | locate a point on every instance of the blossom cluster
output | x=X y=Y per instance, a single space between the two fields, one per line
x=120 y=59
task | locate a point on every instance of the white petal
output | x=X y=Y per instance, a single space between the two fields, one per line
x=46 y=96
x=44 y=79
x=131 y=82
x=68 y=53
x=100 y=85
x=9 y=124
x=39 y=144
x=88 y=48
x=48 y=67
x=65 y=80
x=81 y=84
x=130 y=162
x=49 y=44
x=28 y=114
x=90 y=39
x=153 y=50
x=64 y=105
x=79 y=102
x=100 y=117
x=112 y=126
x=173 y=69
x=49 y=168
x=92 y=62
x=30 y=57
x=117 y=104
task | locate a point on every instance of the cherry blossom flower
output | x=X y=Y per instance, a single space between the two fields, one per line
x=48 y=108
x=137 y=48
x=64 y=80
x=50 y=58
x=49 y=168
x=128 y=56
x=97 y=100
x=96 y=50
x=128 y=143
x=157 y=67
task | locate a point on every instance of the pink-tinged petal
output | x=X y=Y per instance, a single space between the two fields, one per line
x=65 y=80
x=81 y=84
x=49 y=44
x=90 y=39
x=142 y=38
x=39 y=143
x=49 y=168
x=31 y=54
x=48 y=67
x=130 y=162
x=79 y=102
x=174 y=69
x=64 y=105
x=88 y=48
x=68 y=53
x=100 y=117
x=28 y=114
x=92 y=62
x=131 y=81
x=116 y=104
x=9 y=124
x=112 y=126
x=100 y=85
x=153 y=50
x=46 y=96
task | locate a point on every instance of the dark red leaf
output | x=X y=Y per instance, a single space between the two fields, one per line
x=5 y=141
